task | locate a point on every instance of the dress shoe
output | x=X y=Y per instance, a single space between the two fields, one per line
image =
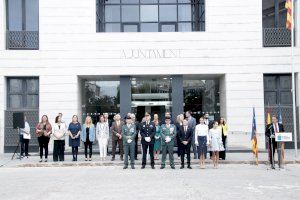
x=152 y=166
x=172 y=167
x=121 y=158
x=143 y=167
x=189 y=167
x=162 y=167
x=181 y=167
x=112 y=159
x=125 y=167
x=132 y=167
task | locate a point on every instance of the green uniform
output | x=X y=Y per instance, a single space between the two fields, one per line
x=129 y=132
x=167 y=132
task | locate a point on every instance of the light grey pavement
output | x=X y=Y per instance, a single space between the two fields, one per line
x=234 y=181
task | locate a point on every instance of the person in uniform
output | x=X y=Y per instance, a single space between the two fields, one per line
x=128 y=135
x=185 y=138
x=168 y=135
x=116 y=130
x=136 y=123
x=147 y=131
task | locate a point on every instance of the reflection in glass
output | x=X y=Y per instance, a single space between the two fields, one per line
x=112 y=13
x=101 y=96
x=149 y=13
x=130 y=28
x=168 y=28
x=201 y=96
x=184 y=13
x=168 y=13
x=184 y=27
x=15 y=101
x=15 y=86
x=112 y=27
x=130 y=13
x=149 y=27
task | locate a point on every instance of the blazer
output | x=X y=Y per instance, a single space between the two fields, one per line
x=148 y=131
x=102 y=132
x=270 y=129
x=59 y=132
x=185 y=136
x=92 y=133
x=39 y=127
x=128 y=133
x=116 y=129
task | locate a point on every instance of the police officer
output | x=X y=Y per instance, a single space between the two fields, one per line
x=147 y=131
x=168 y=134
x=129 y=133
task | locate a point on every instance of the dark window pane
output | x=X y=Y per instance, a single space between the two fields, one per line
x=32 y=86
x=149 y=27
x=149 y=13
x=32 y=101
x=184 y=13
x=130 y=13
x=130 y=28
x=112 y=27
x=15 y=15
x=270 y=98
x=32 y=15
x=270 y=82
x=286 y=82
x=15 y=101
x=184 y=27
x=168 y=28
x=15 y=86
x=112 y=13
x=168 y=13
x=286 y=98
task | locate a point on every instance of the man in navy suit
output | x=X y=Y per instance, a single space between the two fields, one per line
x=192 y=124
x=185 y=136
x=147 y=131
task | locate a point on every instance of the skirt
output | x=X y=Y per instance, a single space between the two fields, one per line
x=74 y=142
x=202 y=148
x=157 y=144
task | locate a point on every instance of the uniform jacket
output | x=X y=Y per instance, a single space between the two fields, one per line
x=170 y=132
x=128 y=133
x=148 y=131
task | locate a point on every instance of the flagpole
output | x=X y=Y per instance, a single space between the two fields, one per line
x=293 y=81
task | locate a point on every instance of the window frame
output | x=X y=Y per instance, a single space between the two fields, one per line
x=23 y=93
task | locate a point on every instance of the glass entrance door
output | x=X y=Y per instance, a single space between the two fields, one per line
x=151 y=94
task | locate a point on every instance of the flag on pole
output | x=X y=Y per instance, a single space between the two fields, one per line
x=254 y=138
x=280 y=115
x=289 y=18
x=269 y=120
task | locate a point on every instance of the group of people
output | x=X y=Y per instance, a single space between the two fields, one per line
x=157 y=137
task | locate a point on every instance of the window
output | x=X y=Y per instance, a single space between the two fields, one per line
x=150 y=15
x=22 y=93
x=22 y=24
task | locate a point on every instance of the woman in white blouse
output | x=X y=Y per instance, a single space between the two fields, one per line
x=215 y=143
x=201 y=140
x=59 y=131
x=102 y=132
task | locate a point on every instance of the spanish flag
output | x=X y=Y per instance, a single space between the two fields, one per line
x=289 y=17
x=254 y=138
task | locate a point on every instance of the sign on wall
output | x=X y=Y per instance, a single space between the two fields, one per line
x=150 y=53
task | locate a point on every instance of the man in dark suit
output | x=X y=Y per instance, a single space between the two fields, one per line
x=271 y=129
x=116 y=130
x=192 y=123
x=185 y=136
x=147 y=131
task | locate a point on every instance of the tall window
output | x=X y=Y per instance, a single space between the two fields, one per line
x=22 y=93
x=22 y=24
x=150 y=15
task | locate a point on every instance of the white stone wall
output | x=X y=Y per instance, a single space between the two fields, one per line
x=70 y=47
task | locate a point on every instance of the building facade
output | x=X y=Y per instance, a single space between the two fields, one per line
x=94 y=56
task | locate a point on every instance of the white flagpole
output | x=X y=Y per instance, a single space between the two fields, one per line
x=293 y=81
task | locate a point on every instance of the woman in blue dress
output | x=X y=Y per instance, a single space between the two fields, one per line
x=157 y=144
x=74 y=136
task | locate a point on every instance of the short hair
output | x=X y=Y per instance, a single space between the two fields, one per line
x=190 y=112
x=275 y=116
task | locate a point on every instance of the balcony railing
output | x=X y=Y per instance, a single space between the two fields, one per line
x=22 y=39
x=276 y=37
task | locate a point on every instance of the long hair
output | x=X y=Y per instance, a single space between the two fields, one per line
x=89 y=124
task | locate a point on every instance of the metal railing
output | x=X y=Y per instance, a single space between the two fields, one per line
x=276 y=37
x=22 y=40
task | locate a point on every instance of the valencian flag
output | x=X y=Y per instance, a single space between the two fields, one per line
x=289 y=17
x=254 y=138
